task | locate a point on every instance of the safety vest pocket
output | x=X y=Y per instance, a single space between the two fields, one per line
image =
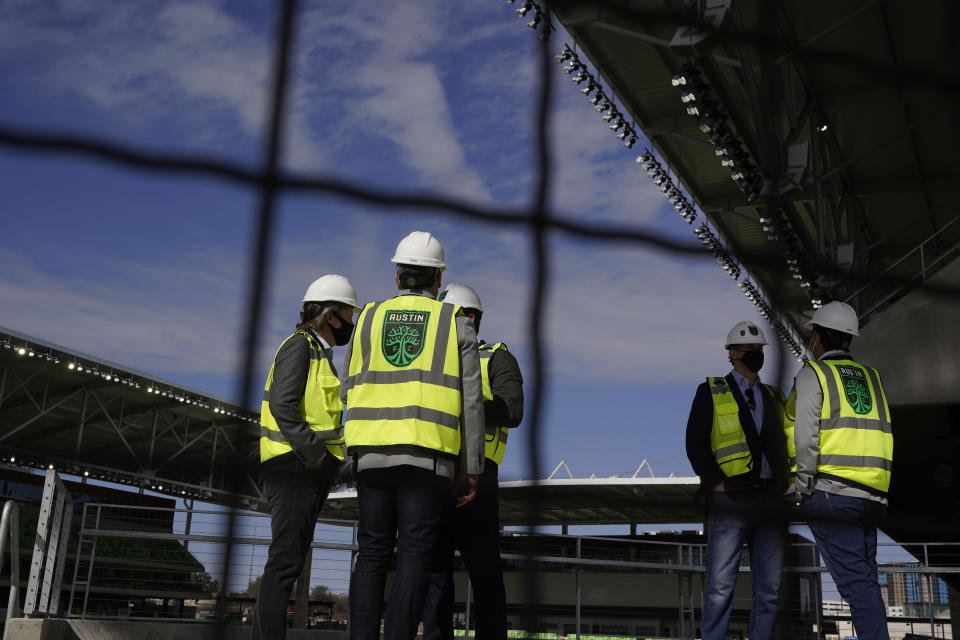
x=329 y=386
x=729 y=426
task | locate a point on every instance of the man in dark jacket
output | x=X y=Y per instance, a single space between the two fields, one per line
x=300 y=441
x=475 y=527
x=736 y=444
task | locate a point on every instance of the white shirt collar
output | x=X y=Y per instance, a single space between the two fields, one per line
x=834 y=352
x=319 y=338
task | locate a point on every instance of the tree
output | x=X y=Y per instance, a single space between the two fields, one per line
x=340 y=601
x=206 y=582
x=254 y=587
x=407 y=341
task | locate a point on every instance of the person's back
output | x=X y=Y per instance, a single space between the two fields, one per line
x=474 y=528
x=414 y=417
x=403 y=385
x=843 y=441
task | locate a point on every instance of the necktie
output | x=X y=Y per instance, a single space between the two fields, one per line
x=751 y=403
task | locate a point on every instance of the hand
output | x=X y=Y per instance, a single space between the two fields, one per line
x=318 y=465
x=465 y=487
x=720 y=487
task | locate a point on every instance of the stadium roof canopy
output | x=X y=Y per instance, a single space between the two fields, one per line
x=577 y=501
x=841 y=117
x=86 y=415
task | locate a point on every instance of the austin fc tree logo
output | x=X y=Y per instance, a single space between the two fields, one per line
x=403 y=336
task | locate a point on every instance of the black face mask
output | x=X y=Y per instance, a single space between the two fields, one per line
x=752 y=360
x=341 y=334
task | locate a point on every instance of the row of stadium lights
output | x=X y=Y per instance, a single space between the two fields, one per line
x=110 y=476
x=77 y=366
x=712 y=120
x=728 y=148
x=540 y=19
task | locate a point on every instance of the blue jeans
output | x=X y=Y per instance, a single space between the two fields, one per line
x=734 y=519
x=845 y=529
x=403 y=506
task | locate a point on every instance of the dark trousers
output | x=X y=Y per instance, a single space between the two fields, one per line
x=295 y=495
x=845 y=529
x=474 y=529
x=400 y=506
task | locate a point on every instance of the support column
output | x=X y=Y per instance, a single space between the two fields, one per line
x=186 y=529
x=578 y=589
x=466 y=615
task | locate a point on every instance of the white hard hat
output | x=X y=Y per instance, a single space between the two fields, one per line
x=461 y=294
x=331 y=288
x=420 y=249
x=837 y=315
x=744 y=333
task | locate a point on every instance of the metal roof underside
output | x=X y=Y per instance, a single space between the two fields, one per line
x=593 y=501
x=84 y=414
x=879 y=79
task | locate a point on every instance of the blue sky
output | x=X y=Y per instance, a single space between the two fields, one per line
x=151 y=271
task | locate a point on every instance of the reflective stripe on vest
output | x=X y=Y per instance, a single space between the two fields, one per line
x=727 y=439
x=856 y=436
x=496 y=437
x=789 y=424
x=403 y=386
x=320 y=406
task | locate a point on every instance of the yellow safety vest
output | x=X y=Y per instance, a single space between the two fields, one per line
x=727 y=439
x=496 y=437
x=403 y=386
x=856 y=437
x=320 y=406
x=789 y=424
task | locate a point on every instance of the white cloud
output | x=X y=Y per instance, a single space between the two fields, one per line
x=191 y=68
x=615 y=313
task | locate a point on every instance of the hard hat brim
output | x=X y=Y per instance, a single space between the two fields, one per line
x=414 y=262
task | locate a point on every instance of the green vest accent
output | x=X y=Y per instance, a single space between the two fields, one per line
x=727 y=439
x=403 y=386
x=789 y=424
x=320 y=406
x=856 y=435
x=496 y=437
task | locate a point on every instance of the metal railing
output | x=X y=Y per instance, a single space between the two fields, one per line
x=921 y=254
x=137 y=555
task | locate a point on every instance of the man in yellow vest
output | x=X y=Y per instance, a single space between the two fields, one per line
x=300 y=441
x=844 y=449
x=475 y=527
x=414 y=424
x=736 y=444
